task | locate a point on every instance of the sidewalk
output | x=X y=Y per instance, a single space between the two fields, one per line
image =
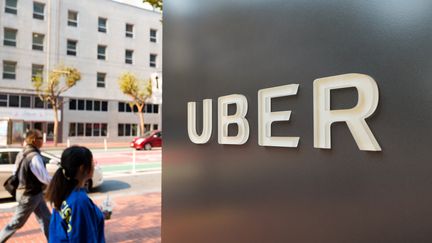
x=135 y=219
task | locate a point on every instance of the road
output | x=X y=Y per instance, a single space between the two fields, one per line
x=119 y=177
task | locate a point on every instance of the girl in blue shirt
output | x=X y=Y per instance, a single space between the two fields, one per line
x=75 y=218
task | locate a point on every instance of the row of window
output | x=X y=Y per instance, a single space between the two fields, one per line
x=148 y=108
x=23 y=101
x=77 y=129
x=38 y=9
x=88 y=105
x=10 y=39
x=88 y=129
x=72 y=20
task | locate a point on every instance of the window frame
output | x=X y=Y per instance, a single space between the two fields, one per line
x=101 y=56
x=71 y=52
x=7 y=42
x=153 y=64
x=129 y=60
x=103 y=28
x=72 y=22
x=11 y=9
x=5 y=73
x=38 y=46
x=153 y=38
x=100 y=83
x=129 y=33
x=38 y=15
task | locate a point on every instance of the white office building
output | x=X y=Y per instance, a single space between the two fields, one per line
x=102 y=39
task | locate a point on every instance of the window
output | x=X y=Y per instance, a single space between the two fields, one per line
x=101 y=52
x=25 y=101
x=88 y=129
x=71 y=47
x=13 y=100
x=102 y=25
x=153 y=60
x=9 y=37
x=155 y=126
x=89 y=105
x=104 y=106
x=134 y=130
x=96 y=129
x=38 y=103
x=81 y=105
x=72 y=129
x=129 y=30
x=37 y=70
x=104 y=129
x=121 y=107
x=80 y=129
x=128 y=108
x=100 y=83
x=38 y=40
x=97 y=105
x=153 y=35
x=129 y=56
x=38 y=10
x=72 y=18
x=156 y=109
x=149 y=108
x=11 y=6
x=72 y=104
x=126 y=129
x=9 y=69
x=120 y=130
x=3 y=100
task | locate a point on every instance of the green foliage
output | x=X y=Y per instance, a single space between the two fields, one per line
x=155 y=3
x=138 y=90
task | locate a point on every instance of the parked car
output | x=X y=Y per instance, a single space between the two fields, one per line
x=148 y=141
x=52 y=162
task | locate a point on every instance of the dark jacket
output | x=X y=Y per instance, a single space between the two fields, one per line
x=27 y=180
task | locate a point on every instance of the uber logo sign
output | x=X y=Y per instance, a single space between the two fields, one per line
x=368 y=97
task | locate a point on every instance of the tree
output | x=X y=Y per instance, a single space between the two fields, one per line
x=139 y=90
x=50 y=90
x=155 y=3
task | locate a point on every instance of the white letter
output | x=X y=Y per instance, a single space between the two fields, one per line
x=207 y=122
x=266 y=117
x=355 y=117
x=238 y=118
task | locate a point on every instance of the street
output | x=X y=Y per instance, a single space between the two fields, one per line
x=134 y=193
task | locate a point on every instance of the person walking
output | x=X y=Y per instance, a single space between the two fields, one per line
x=75 y=218
x=33 y=178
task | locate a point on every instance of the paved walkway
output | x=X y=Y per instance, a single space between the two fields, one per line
x=135 y=219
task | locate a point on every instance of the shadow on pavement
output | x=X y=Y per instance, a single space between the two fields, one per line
x=112 y=185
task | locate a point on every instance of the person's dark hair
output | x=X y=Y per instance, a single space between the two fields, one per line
x=63 y=181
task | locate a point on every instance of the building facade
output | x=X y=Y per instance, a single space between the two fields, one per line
x=102 y=39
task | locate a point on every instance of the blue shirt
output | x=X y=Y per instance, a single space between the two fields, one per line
x=79 y=220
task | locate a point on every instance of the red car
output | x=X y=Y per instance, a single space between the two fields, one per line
x=148 y=141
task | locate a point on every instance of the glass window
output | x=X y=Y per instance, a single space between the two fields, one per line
x=72 y=129
x=13 y=100
x=146 y=127
x=3 y=100
x=104 y=106
x=88 y=129
x=96 y=129
x=97 y=105
x=102 y=25
x=153 y=37
x=127 y=129
x=72 y=104
x=9 y=69
x=9 y=37
x=104 y=129
x=25 y=101
x=135 y=108
x=101 y=52
x=149 y=108
x=129 y=56
x=89 y=105
x=37 y=70
x=100 y=83
x=129 y=30
x=134 y=131
x=128 y=108
x=155 y=126
x=38 y=10
x=72 y=18
x=37 y=102
x=81 y=105
x=153 y=60
x=11 y=6
x=121 y=106
x=71 y=48
x=38 y=41
x=120 y=130
x=80 y=129
x=156 y=109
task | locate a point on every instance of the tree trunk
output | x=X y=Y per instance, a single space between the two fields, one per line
x=55 y=124
x=141 y=116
